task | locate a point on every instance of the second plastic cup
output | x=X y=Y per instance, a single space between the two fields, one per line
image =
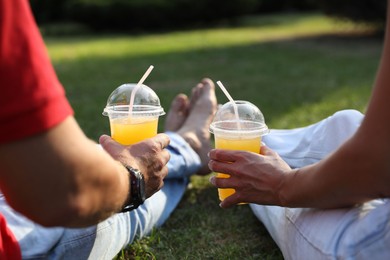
x=142 y=122
x=237 y=132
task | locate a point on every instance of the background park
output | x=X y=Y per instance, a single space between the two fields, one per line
x=299 y=61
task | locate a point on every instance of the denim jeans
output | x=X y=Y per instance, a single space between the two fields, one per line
x=105 y=240
x=360 y=232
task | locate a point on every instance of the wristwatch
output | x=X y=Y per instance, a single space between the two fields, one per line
x=137 y=187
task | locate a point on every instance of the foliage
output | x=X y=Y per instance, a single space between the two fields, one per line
x=267 y=6
x=172 y=14
x=366 y=11
x=49 y=11
x=142 y=14
x=357 y=10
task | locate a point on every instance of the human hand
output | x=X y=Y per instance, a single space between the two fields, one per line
x=256 y=178
x=148 y=156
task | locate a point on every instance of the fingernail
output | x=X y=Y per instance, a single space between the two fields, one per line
x=102 y=138
x=212 y=180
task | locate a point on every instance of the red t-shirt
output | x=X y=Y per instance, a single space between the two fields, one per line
x=9 y=247
x=32 y=99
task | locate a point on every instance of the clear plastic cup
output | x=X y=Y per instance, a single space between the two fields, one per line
x=237 y=132
x=129 y=128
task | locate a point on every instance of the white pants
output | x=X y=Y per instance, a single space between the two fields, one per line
x=361 y=232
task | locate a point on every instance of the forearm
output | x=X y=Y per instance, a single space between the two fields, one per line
x=61 y=178
x=360 y=169
x=98 y=188
x=352 y=175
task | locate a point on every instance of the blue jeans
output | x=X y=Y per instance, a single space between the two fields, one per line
x=360 y=232
x=106 y=239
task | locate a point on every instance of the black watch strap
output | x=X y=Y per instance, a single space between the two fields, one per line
x=137 y=189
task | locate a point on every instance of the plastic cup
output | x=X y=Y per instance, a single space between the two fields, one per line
x=142 y=122
x=237 y=132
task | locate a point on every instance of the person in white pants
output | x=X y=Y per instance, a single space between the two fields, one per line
x=359 y=232
x=323 y=190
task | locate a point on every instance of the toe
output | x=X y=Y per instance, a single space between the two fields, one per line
x=195 y=94
x=179 y=104
x=208 y=82
x=177 y=113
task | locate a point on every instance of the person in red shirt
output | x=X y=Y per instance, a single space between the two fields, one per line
x=61 y=192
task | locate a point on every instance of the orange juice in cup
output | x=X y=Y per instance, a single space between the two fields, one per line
x=131 y=125
x=251 y=144
x=238 y=128
x=131 y=130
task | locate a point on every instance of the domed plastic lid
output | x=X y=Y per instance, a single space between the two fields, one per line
x=146 y=101
x=250 y=120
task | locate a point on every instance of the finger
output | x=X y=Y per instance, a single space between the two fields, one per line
x=223 y=155
x=157 y=163
x=221 y=183
x=103 y=139
x=221 y=167
x=264 y=150
x=230 y=201
x=166 y=156
x=164 y=172
x=162 y=139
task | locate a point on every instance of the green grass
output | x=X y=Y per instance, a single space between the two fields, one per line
x=297 y=68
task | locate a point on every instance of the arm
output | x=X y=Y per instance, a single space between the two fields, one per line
x=49 y=170
x=61 y=178
x=358 y=171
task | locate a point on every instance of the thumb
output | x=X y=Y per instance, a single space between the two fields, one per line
x=109 y=144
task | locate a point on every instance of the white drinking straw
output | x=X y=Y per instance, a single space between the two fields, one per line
x=140 y=82
x=224 y=90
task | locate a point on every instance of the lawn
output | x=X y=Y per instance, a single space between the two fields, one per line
x=298 y=68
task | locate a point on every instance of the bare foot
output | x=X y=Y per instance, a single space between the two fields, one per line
x=178 y=113
x=195 y=130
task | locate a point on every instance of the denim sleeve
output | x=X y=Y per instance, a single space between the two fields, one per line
x=184 y=160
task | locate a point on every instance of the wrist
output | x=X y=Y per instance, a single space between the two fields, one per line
x=284 y=195
x=136 y=195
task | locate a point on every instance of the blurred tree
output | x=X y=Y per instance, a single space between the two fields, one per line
x=367 y=11
x=266 y=6
x=48 y=11
x=142 y=14
x=370 y=11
